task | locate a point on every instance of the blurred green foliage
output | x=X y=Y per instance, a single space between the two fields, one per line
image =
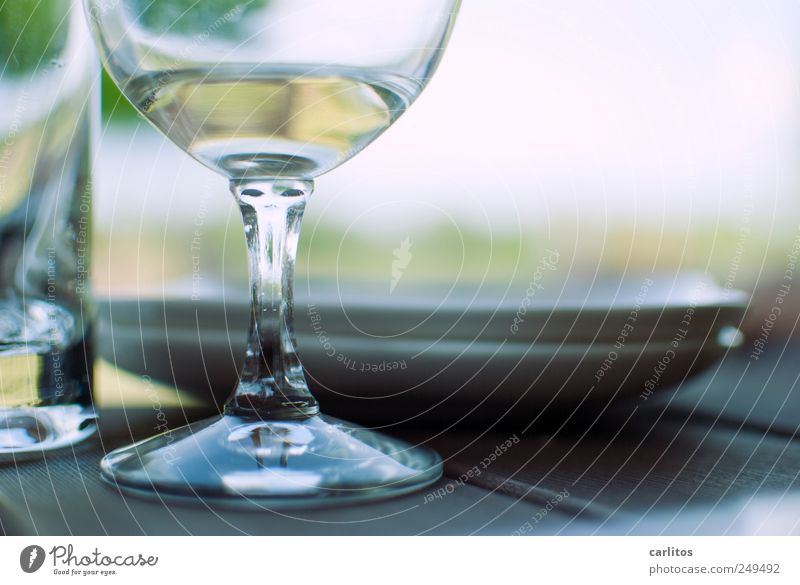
x=181 y=15
x=32 y=34
x=188 y=16
x=115 y=107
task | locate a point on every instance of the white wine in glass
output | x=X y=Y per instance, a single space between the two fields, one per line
x=272 y=121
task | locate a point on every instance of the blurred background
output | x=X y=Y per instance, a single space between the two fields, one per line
x=630 y=137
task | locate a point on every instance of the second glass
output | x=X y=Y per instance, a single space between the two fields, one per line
x=48 y=91
x=271 y=94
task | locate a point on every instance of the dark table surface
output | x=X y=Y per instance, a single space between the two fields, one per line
x=719 y=457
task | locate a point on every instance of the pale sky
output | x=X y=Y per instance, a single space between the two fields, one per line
x=614 y=111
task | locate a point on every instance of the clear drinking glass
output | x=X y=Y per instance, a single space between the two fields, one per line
x=48 y=71
x=271 y=94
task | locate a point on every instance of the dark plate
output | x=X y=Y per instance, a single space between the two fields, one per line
x=448 y=358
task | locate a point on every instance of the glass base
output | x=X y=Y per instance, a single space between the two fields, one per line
x=28 y=432
x=316 y=461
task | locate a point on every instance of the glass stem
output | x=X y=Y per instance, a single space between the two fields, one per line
x=272 y=385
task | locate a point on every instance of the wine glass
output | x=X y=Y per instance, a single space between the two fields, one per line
x=271 y=94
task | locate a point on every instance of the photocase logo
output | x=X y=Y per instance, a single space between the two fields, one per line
x=402 y=258
x=31 y=558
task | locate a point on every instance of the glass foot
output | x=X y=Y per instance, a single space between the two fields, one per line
x=32 y=431
x=316 y=461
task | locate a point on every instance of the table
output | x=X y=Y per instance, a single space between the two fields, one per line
x=720 y=457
